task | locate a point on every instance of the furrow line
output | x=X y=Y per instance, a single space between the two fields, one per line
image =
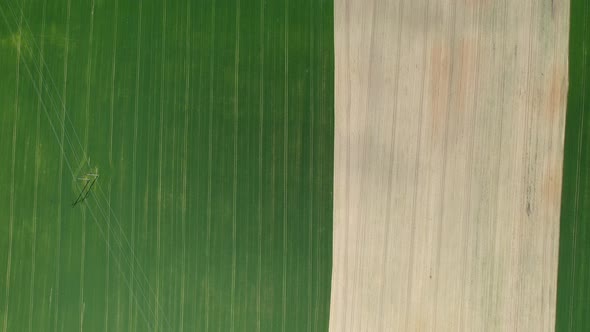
x=134 y=167
x=12 y=176
x=285 y=168
x=36 y=180
x=160 y=148
x=60 y=172
x=235 y=170
x=259 y=275
x=184 y=164
x=210 y=167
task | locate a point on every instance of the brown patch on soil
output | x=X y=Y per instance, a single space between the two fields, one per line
x=467 y=79
x=557 y=93
x=552 y=112
x=439 y=83
x=474 y=3
x=551 y=186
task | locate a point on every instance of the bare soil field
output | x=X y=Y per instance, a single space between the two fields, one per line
x=449 y=133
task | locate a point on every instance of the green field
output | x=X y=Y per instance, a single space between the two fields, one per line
x=210 y=124
x=573 y=292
